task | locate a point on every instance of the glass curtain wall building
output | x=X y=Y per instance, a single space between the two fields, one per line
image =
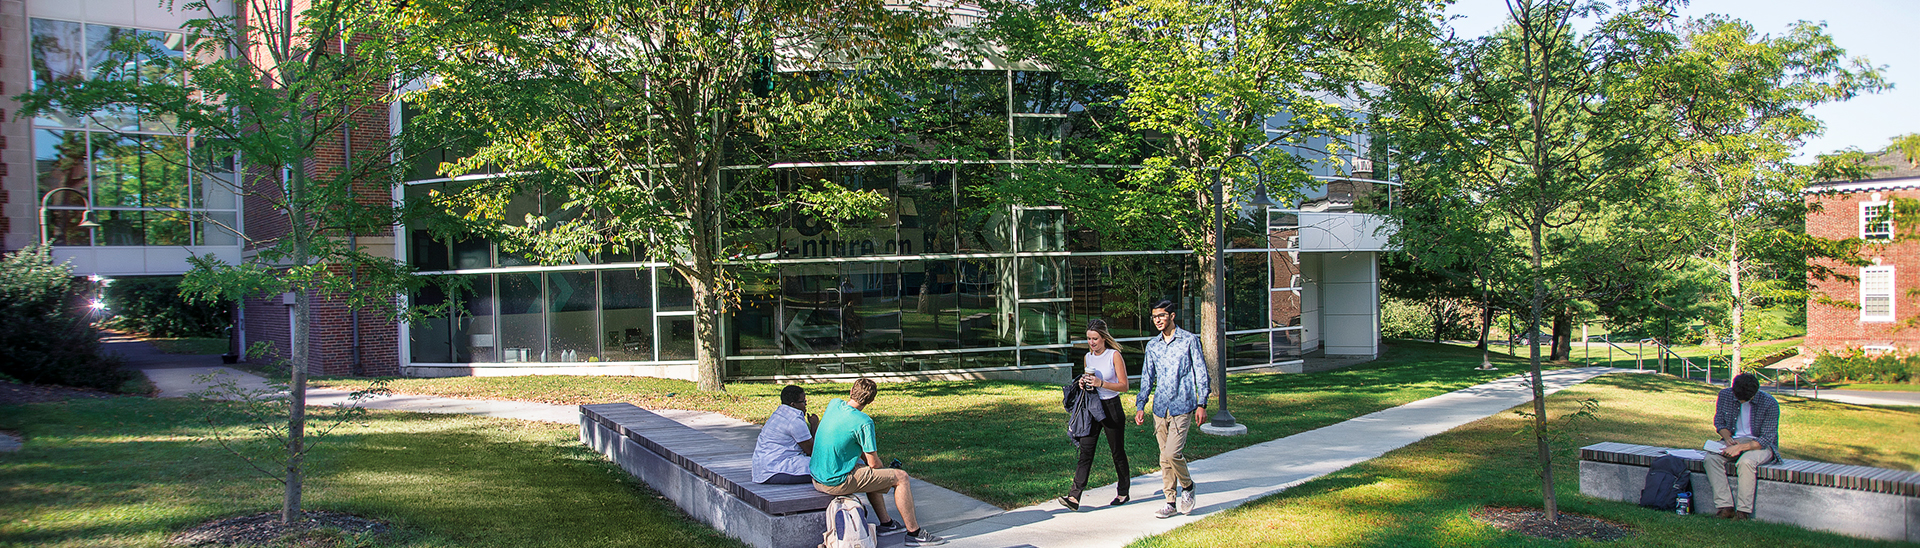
x=942 y=283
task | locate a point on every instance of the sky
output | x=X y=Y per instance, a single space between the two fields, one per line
x=1882 y=31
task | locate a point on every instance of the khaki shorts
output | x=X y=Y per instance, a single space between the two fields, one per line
x=861 y=480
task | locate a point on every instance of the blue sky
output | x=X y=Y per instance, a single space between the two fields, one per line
x=1886 y=32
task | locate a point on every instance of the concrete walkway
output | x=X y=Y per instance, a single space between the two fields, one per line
x=1232 y=478
x=1856 y=397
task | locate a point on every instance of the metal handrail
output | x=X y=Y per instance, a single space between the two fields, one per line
x=1687 y=367
x=1611 y=346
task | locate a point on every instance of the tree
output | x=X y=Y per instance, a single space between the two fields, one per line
x=623 y=114
x=1196 y=83
x=298 y=80
x=1543 y=141
x=1741 y=105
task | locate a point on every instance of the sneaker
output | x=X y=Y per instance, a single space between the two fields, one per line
x=1167 y=512
x=1186 y=501
x=890 y=528
x=924 y=538
x=1071 y=504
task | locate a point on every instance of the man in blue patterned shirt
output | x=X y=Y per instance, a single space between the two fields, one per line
x=1174 y=376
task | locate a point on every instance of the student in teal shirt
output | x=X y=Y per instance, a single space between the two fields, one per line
x=846 y=461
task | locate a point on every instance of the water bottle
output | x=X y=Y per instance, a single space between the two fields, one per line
x=1683 y=504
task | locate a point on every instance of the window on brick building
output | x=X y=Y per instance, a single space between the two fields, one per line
x=1876 y=294
x=1876 y=223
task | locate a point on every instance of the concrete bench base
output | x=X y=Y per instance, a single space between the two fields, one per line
x=702 y=499
x=1848 y=512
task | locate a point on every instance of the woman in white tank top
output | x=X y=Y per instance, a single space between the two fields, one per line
x=1106 y=372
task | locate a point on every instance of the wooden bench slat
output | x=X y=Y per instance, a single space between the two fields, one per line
x=1844 y=476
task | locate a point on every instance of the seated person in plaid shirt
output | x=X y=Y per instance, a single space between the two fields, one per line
x=1748 y=422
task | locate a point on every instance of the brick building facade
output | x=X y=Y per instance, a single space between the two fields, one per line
x=1881 y=310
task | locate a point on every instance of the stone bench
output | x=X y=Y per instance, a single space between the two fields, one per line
x=1859 y=501
x=710 y=479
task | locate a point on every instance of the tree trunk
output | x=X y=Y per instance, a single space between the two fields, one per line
x=1739 y=308
x=303 y=238
x=1437 y=307
x=1562 y=337
x=1539 y=391
x=706 y=331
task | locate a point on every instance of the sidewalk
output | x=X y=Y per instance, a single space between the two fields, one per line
x=1232 y=478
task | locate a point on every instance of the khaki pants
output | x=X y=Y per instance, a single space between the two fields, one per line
x=1172 y=435
x=1746 y=467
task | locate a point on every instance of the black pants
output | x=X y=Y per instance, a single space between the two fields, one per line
x=1116 y=427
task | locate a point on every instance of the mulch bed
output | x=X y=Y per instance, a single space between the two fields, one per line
x=16 y=393
x=1533 y=522
x=315 y=529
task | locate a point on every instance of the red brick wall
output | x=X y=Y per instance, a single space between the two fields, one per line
x=331 y=345
x=1835 y=328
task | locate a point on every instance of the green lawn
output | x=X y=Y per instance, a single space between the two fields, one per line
x=1423 y=494
x=190 y=345
x=945 y=431
x=131 y=471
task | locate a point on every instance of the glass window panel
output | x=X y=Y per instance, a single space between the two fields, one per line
x=986 y=304
x=425 y=252
x=751 y=228
x=1286 y=345
x=472 y=253
x=215 y=183
x=871 y=300
x=676 y=295
x=479 y=341
x=1249 y=349
x=754 y=324
x=1043 y=323
x=1043 y=230
x=60 y=161
x=63 y=227
x=430 y=340
x=766 y=367
x=927 y=216
x=1042 y=277
x=1247 y=293
x=983 y=224
x=929 y=305
x=980 y=113
x=523 y=336
x=977 y=360
x=676 y=338
x=1039 y=138
x=811 y=308
x=116 y=171
x=1030 y=357
x=59 y=54
x=573 y=320
x=169 y=228
x=1040 y=92
x=163 y=172
x=215 y=228
x=120 y=228
x=626 y=315
x=105 y=57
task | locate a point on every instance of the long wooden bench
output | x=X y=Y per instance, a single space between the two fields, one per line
x=1859 y=501
x=710 y=479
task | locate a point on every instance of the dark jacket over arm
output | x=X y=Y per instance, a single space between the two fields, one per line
x=1083 y=410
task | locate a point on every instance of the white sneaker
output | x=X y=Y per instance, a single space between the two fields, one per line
x=1186 y=501
x=1166 y=512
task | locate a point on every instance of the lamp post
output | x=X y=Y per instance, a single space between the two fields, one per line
x=1223 y=423
x=86 y=219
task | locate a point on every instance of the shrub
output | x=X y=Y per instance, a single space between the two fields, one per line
x=44 y=334
x=153 y=305
x=1414 y=319
x=1857 y=367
